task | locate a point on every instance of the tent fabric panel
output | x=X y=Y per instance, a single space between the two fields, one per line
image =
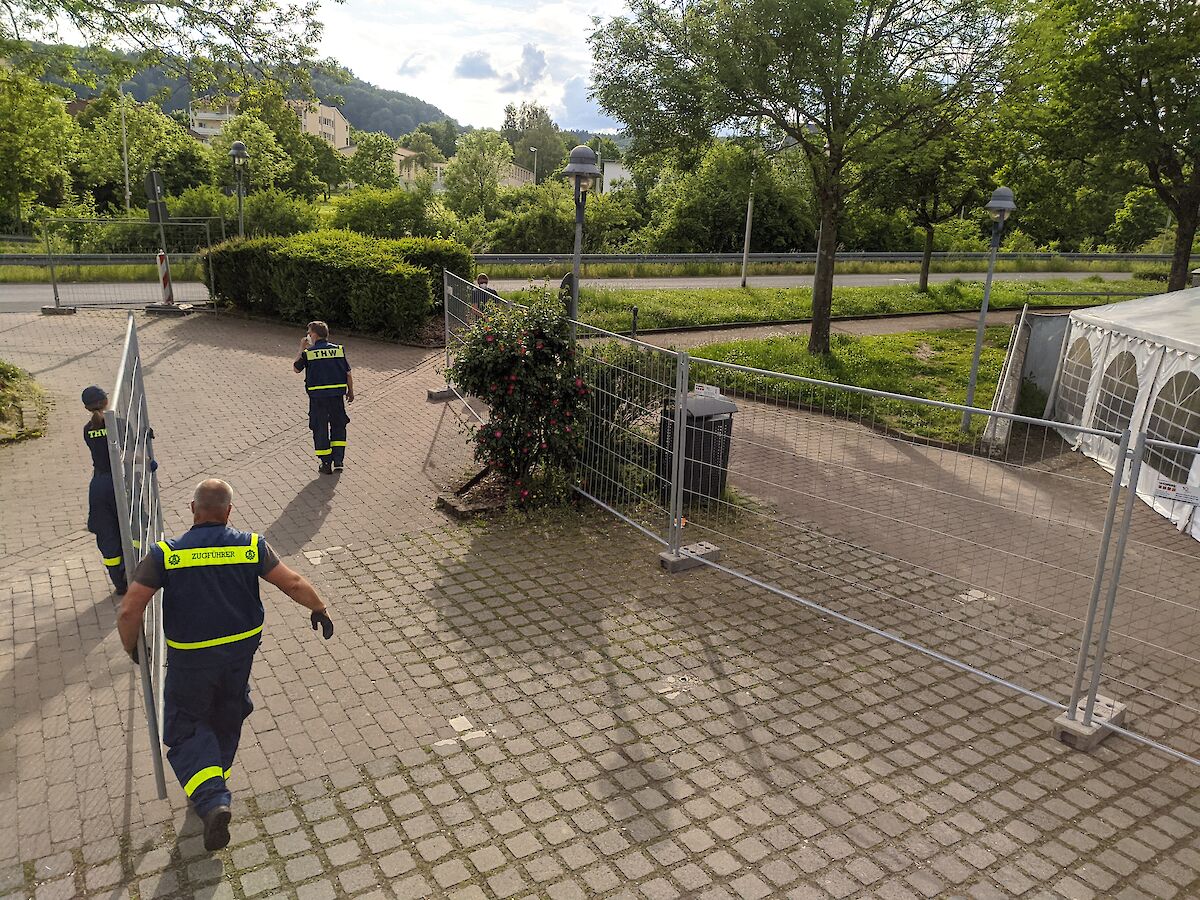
x=1172 y=320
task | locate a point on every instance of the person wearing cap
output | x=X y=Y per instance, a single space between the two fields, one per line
x=102 y=499
x=212 y=618
x=328 y=382
x=482 y=295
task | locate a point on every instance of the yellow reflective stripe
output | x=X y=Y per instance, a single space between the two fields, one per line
x=112 y=560
x=215 y=642
x=322 y=452
x=137 y=545
x=337 y=443
x=323 y=387
x=202 y=776
x=228 y=772
x=211 y=556
x=325 y=353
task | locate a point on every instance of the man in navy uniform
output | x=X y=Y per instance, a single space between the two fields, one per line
x=327 y=378
x=213 y=621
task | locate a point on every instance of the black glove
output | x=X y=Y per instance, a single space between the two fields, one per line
x=321 y=620
x=133 y=655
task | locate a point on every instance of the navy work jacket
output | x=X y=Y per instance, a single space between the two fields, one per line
x=325 y=369
x=212 y=612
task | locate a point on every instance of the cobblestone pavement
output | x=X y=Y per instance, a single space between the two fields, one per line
x=527 y=708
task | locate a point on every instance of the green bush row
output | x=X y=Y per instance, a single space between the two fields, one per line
x=380 y=287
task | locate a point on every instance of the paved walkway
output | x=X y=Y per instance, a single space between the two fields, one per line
x=528 y=708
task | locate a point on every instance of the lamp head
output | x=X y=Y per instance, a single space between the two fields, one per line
x=582 y=167
x=1001 y=204
x=238 y=153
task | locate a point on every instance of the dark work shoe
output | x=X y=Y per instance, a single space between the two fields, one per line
x=326 y=468
x=216 y=828
x=337 y=467
x=120 y=589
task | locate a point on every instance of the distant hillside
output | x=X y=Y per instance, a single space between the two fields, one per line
x=371 y=108
x=366 y=106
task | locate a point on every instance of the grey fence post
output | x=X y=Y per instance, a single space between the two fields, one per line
x=50 y=260
x=212 y=287
x=1135 y=470
x=677 y=453
x=447 y=292
x=1114 y=495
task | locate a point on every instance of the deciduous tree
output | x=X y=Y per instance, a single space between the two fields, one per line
x=473 y=175
x=1116 y=81
x=853 y=84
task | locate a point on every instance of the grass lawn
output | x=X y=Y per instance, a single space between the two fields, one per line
x=929 y=364
x=22 y=405
x=610 y=308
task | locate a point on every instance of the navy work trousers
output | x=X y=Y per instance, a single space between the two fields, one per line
x=327 y=418
x=102 y=522
x=202 y=724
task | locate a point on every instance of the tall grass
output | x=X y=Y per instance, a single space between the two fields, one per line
x=189 y=270
x=848 y=267
x=610 y=308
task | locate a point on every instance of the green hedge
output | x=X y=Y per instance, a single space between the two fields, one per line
x=438 y=256
x=341 y=277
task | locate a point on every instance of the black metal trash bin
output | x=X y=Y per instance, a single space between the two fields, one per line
x=706 y=444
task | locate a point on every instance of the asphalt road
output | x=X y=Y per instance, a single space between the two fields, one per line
x=31 y=297
x=788 y=281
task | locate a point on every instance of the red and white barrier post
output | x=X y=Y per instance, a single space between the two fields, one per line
x=164 y=277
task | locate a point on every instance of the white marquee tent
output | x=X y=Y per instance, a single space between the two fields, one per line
x=1136 y=365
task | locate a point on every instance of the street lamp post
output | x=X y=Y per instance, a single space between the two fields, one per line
x=999 y=206
x=533 y=150
x=583 y=169
x=239 y=155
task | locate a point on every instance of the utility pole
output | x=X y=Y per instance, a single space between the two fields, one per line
x=124 y=147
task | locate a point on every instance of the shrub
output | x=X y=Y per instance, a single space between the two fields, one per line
x=207 y=202
x=337 y=276
x=438 y=257
x=520 y=360
x=394 y=213
x=1151 y=272
x=273 y=212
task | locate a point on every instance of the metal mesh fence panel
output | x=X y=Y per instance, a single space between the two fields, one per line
x=99 y=262
x=876 y=506
x=131 y=450
x=628 y=457
x=1152 y=659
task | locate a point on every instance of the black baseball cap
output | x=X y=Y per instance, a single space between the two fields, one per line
x=94 y=396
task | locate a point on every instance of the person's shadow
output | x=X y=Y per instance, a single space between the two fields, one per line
x=302 y=518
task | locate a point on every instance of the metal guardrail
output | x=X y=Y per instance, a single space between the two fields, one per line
x=90 y=259
x=842 y=256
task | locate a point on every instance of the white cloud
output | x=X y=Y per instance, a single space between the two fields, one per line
x=534 y=51
x=578 y=112
x=529 y=72
x=475 y=65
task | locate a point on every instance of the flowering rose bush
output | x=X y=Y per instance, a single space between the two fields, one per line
x=520 y=361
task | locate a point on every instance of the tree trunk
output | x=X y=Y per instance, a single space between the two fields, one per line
x=822 y=297
x=927 y=255
x=1185 y=233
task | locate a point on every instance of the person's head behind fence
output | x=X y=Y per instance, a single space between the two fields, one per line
x=212 y=501
x=481 y=279
x=320 y=329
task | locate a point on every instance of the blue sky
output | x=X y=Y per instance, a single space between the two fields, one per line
x=471 y=58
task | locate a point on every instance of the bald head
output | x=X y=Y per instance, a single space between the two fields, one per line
x=212 y=501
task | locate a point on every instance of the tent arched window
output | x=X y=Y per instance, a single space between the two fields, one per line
x=1073 y=386
x=1118 y=393
x=1176 y=419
